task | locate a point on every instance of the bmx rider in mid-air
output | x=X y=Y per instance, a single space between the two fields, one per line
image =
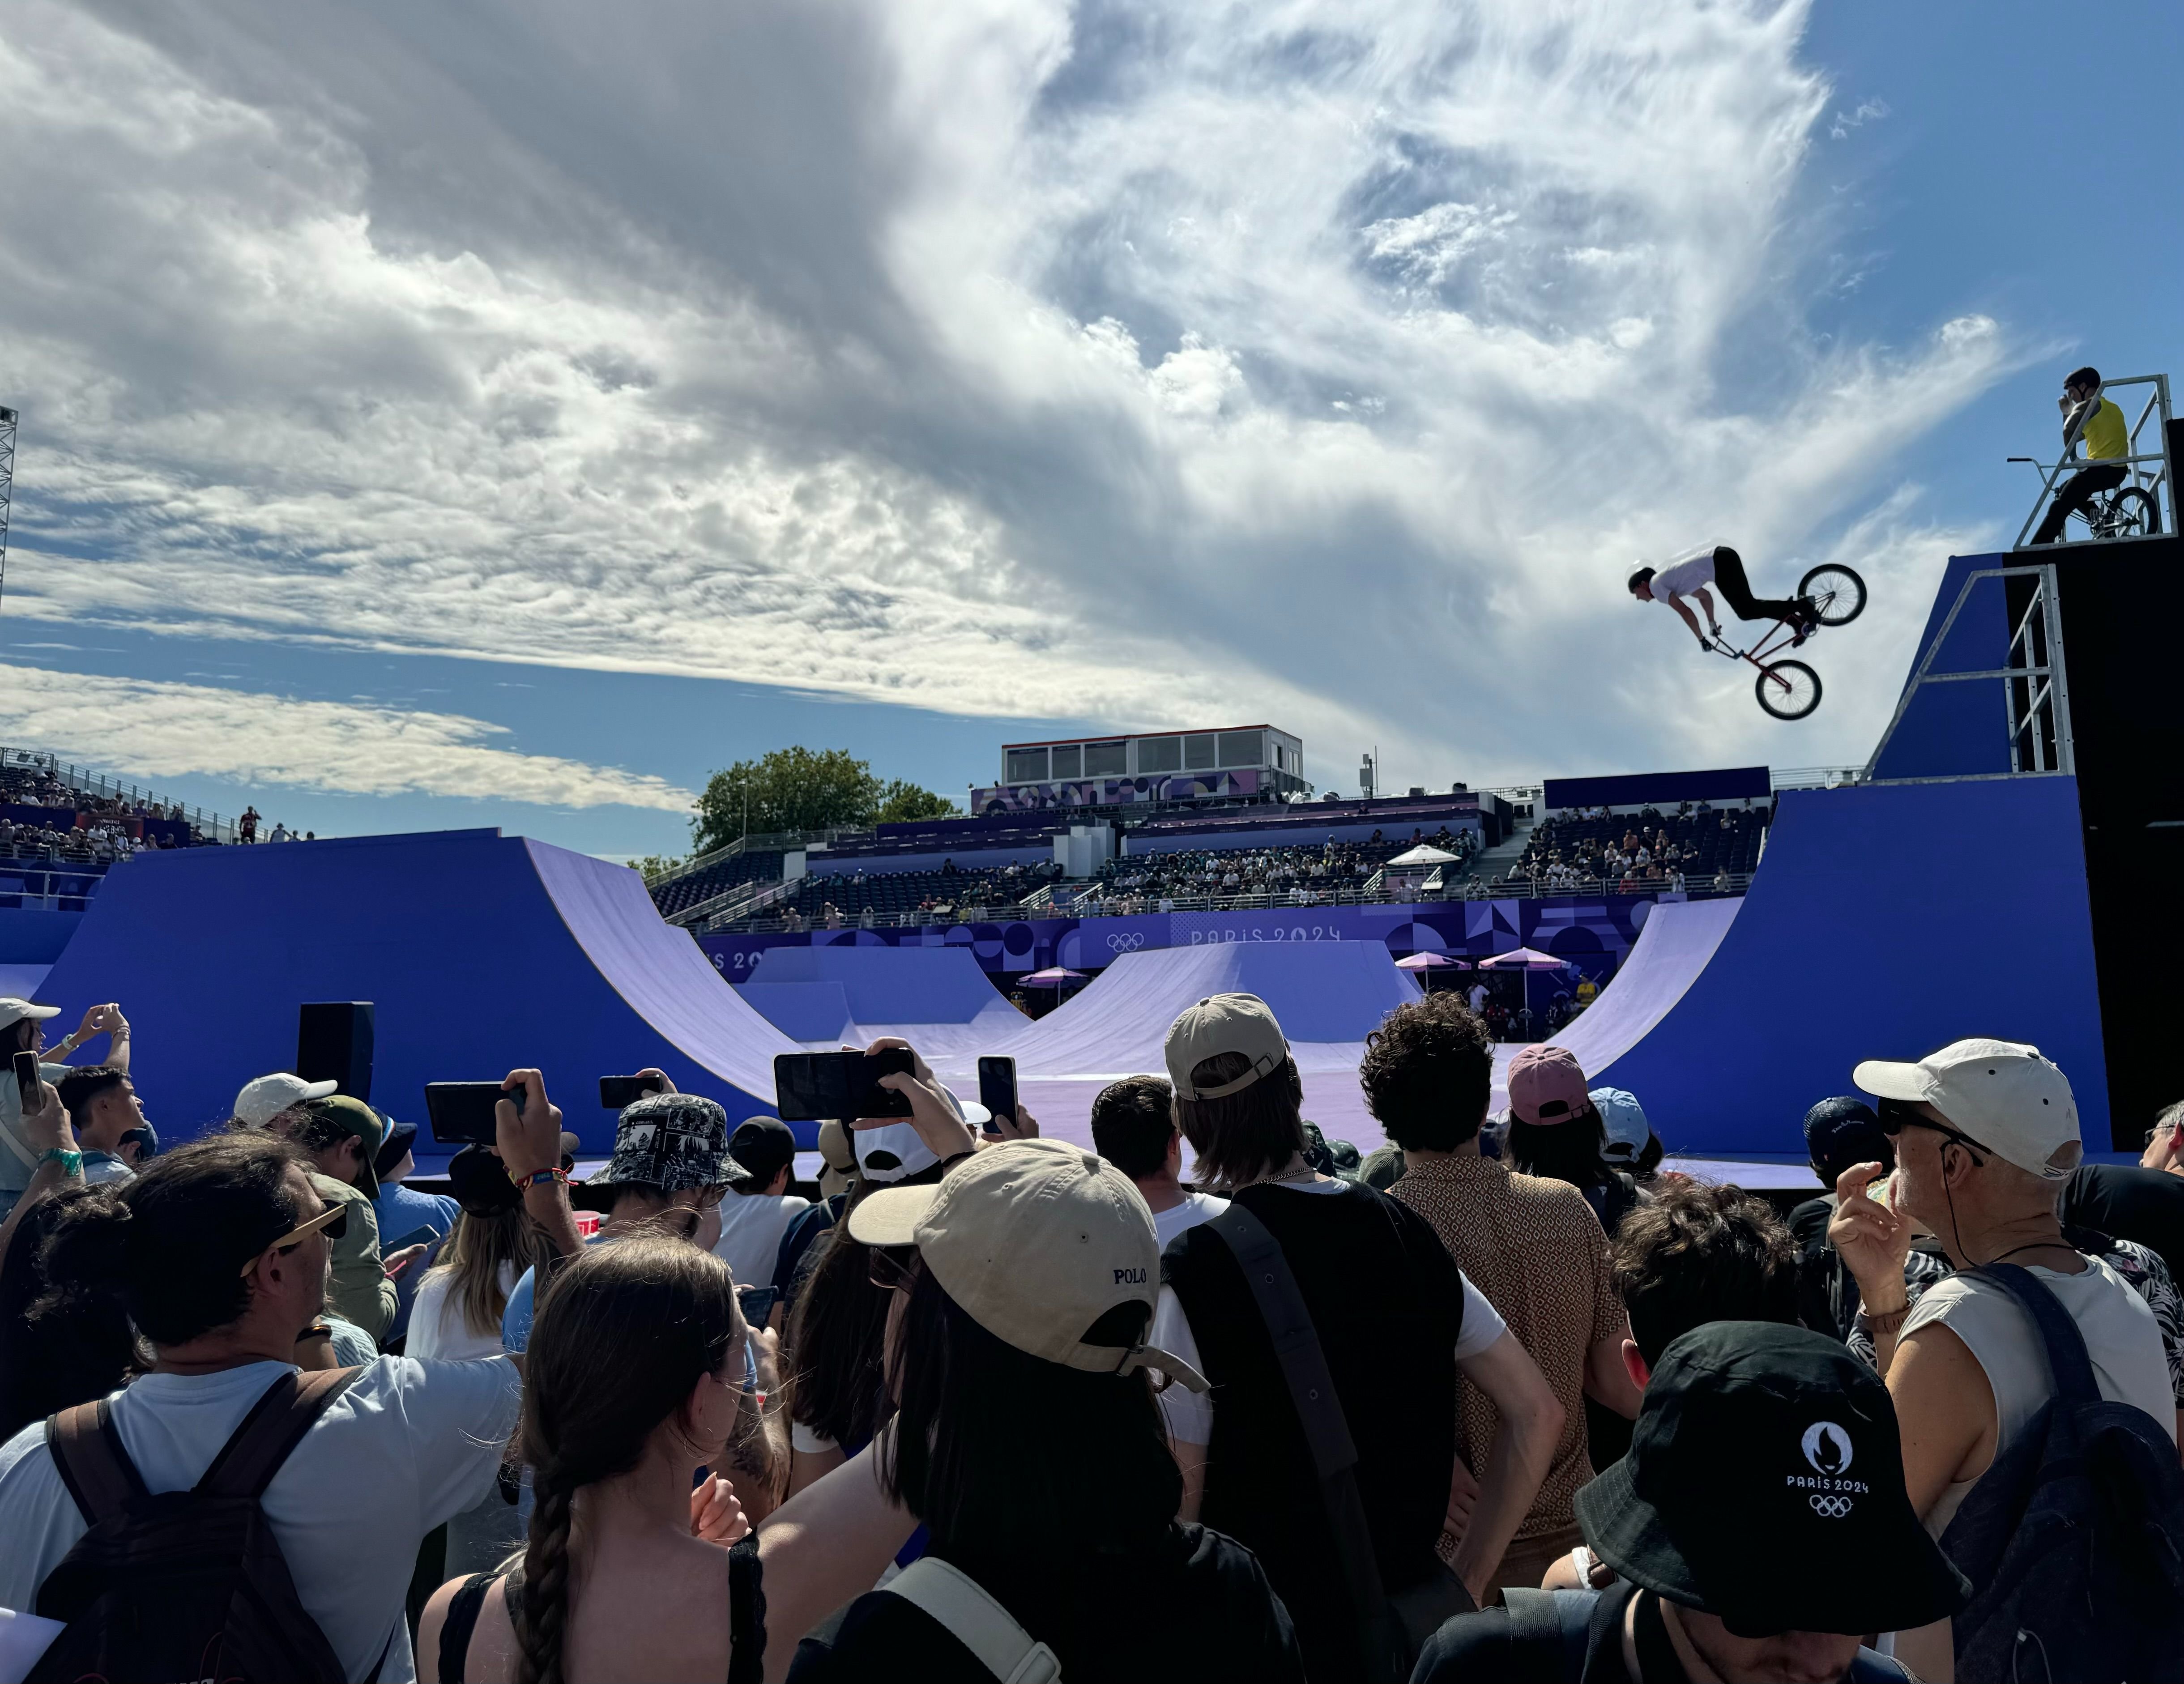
x=1718 y=565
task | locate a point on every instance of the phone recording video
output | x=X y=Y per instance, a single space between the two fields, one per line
x=461 y=1113
x=617 y=1091
x=812 y=1087
x=997 y=1088
x=26 y=1081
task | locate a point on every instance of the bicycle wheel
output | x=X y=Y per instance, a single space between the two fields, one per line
x=1837 y=593
x=1788 y=689
x=2132 y=512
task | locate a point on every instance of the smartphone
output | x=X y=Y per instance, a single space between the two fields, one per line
x=26 y=1080
x=415 y=1236
x=997 y=1086
x=461 y=1112
x=812 y=1087
x=617 y=1091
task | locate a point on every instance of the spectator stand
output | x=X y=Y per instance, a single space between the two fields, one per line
x=37 y=787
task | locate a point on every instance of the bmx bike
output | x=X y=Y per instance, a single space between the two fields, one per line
x=2128 y=511
x=1790 y=689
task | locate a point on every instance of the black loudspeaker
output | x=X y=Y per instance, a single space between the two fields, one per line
x=333 y=1043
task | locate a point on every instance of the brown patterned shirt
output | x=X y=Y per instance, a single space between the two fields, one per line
x=1534 y=1250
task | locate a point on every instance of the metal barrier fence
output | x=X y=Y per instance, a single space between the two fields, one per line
x=85 y=782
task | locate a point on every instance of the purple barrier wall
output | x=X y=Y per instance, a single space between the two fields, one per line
x=1595 y=932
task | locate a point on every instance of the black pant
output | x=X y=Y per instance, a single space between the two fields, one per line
x=2074 y=494
x=1729 y=579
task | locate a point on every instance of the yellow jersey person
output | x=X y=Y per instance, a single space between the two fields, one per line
x=2094 y=421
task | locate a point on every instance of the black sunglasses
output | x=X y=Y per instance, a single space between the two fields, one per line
x=892 y=1268
x=1897 y=1115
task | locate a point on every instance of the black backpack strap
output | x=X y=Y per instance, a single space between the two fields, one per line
x=275 y=1424
x=88 y=1456
x=1318 y=1407
x=461 y=1621
x=2069 y=1365
x=1548 y=1631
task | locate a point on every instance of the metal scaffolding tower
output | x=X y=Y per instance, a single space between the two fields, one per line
x=6 y=489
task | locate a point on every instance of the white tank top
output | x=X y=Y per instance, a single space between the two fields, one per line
x=2121 y=1337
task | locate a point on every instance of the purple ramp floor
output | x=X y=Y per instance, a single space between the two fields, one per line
x=664 y=975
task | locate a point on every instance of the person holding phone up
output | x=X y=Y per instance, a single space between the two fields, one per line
x=22 y=1029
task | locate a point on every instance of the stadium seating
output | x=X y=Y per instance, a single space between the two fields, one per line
x=1702 y=842
x=679 y=894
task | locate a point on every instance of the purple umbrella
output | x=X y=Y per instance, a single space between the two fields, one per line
x=1053 y=976
x=1431 y=961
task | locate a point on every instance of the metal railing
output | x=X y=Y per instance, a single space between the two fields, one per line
x=2148 y=470
x=1816 y=777
x=85 y=782
x=743 y=901
x=60 y=887
x=1135 y=905
x=2036 y=688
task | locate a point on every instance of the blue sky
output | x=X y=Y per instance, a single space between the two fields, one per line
x=400 y=452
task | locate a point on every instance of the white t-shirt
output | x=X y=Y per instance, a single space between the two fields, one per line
x=750 y=1234
x=2121 y=1337
x=1191 y=1413
x=406 y=1446
x=1196 y=1208
x=1683 y=575
x=438 y=1332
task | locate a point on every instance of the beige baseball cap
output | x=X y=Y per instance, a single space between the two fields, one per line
x=1036 y=1240
x=2003 y=1094
x=262 y=1101
x=13 y=1009
x=1224 y=1022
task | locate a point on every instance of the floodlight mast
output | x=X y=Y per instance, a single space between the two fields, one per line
x=7 y=490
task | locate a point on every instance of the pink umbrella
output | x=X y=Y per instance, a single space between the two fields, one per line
x=1524 y=959
x=1054 y=977
x=1431 y=961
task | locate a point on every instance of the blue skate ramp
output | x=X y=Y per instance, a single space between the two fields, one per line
x=480 y=953
x=1885 y=921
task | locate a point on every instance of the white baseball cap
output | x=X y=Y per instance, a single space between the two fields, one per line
x=262 y=1101
x=997 y=1233
x=2002 y=1094
x=13 y=1009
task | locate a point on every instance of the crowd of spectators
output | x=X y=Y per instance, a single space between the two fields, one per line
x=1219 y=1399
x=1699 y=846
x=1303 y=874
x=102 y=828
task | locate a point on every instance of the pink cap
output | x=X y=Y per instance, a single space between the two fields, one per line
x=1545 y=1085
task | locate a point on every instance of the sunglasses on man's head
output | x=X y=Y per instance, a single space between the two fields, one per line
x=333 y=1222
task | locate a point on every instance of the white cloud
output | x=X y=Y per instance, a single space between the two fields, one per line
x=141 y=728
x=1866 y=111
x=1133 y=359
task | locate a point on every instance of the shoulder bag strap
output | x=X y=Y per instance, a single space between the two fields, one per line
x=88 y=1456
x=2069 y=1365
x=1548 y=1631
x=1318 y=1407
x=456 y=1629
x=953 y=1598
x=275 y=1424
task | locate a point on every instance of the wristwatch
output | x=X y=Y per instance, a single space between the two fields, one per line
x=71 y=1162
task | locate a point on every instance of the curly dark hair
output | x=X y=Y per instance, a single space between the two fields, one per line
x=1428 y=1073
x=1700 y=1253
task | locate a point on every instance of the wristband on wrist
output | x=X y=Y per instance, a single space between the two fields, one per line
x=1887 y=1321
x=552 y=1172
x=71 y=1163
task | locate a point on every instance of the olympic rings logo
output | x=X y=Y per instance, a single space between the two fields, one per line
x=1830 y=1508
x=1125 y=943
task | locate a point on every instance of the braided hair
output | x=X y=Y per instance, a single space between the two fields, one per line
x=624 y=1332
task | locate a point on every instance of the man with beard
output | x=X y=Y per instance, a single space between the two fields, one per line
x=1556 y=1132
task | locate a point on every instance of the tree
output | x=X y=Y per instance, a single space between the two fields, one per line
x=902 y=802
x=788 y=790
x=654 y=865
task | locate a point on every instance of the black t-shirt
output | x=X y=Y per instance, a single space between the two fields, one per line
x=1386 y=1300
x=1197 y=1606
x=2126 y=1202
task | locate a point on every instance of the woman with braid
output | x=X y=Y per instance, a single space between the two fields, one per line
x=639 y=1375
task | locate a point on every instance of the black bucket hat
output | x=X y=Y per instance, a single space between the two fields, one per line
x=1764 y=1484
